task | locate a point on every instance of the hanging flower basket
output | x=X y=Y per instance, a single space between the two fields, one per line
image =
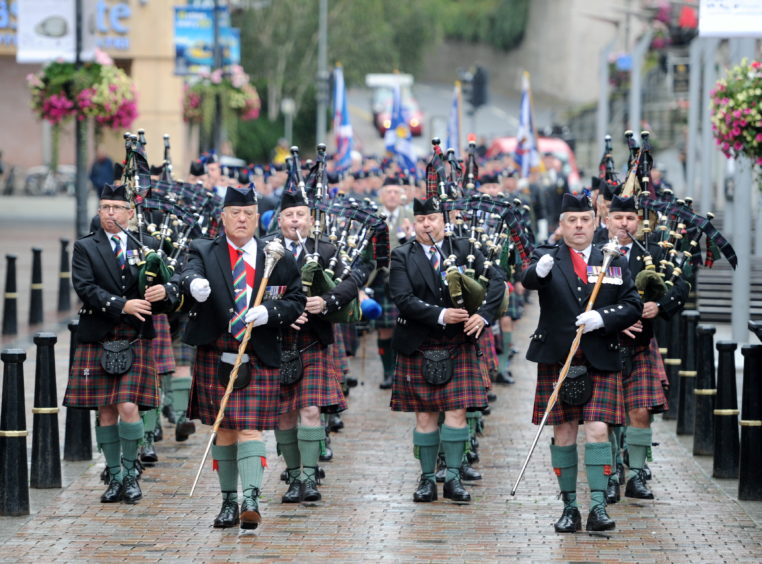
x=736 y=112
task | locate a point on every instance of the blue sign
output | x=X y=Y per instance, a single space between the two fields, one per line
x=194 y=40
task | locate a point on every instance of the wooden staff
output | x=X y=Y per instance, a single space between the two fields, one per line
x=610 y=251
x=274 y=251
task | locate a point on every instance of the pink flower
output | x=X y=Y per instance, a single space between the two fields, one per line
x=738 y=146
x=758 y=138
x=102 y=58
x=755 y=64
x=759 y=160
x=737 y=113
x=725 y=148
x=216 y=76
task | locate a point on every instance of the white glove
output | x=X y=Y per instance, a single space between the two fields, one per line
x=544 y=266
x=258 y=315
x=200 y=290
x=592 y=320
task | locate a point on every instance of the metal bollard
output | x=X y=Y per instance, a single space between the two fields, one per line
x=14 y=489
x=45 y=471
x=726 y=414
x=705 y=392
x=78 y=438
x=10 y=307
x=750 y=461
x=672 y=364
x=35 y=300
x=756 y=328
x=64 y=278
x=686 y=406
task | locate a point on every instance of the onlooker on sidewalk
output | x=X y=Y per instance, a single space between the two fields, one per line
x=102 y=171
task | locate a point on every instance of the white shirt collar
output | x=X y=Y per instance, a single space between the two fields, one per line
x=249 y=249
x=585 y=252
x=122 y=239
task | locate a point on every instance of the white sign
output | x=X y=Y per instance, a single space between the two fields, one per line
x=730 y=18
x=47 y=31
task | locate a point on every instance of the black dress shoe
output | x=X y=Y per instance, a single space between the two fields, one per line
x=310 y=491
x=169 y=413
x=105 y=476
x=570 y=521
x=328 y=455
x=387 y=382
x=469 y=474
x=114 y=492
x=426 y=491
x=491 y=397
x=132 y=491
x=228 y=515
x=158 y=432
x=620 y=472
x=250 y=517
x=351 y=381
x=184 y=429
x=148 y=455
x=455 y=491
x=637 y=487
x=486 y=410
x=599 y=520
x=612 y=490
x=504 y=379
x=320 y=473
x=647 y=472
x=335 y=424
x=293 y=493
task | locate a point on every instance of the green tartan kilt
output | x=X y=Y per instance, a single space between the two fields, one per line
x=411 y=392
x=606 y=403
x=320 y=384
x=642 y=386
x=162 y=345
x=254 y=407
x=89 y=386
x=389 y=311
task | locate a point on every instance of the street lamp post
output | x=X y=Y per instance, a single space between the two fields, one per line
x=321 y=95
x=80 y=141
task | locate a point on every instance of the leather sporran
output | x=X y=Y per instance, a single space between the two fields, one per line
x=292 y=365
x=225 y=367
x=577 y=388
x=116 y=357
x=438 y=366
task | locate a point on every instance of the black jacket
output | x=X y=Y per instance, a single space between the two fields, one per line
x=104 y=288
x=210 y=259
x=563 y=297
x=420 y=295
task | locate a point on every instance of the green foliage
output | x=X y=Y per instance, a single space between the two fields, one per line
x=499 y=23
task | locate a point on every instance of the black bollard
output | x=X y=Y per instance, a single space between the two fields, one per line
x=672 y=363
x=726 y=414
x=46 y=451
x=64 y=279
x=35 y=300
x=14 y=489
x=686 y=406
x=705 y=392
x=78 y=439
x=10 y=307
x=750 y=465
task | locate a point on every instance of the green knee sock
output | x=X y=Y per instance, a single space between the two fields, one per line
x=619 y=435
x=453 y=445
x=503 y=360
x=598 y=465
x=638 y=443
x=387 y=355
x=564 y=461
x=251 y=467
x=181 y=395
x=288 y=447
x=426 y=448
x=309 y=439
x=226 y=461
x=149 y=422
x=166 y=388
x=130 y=435
x=108 y=441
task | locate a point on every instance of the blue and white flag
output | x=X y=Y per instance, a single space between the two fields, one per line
x=527 y=156
x=342 y=129
x=453 y=124
x=397 y=138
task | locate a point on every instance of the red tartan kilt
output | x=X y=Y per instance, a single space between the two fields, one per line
x=410 y=392
x=488 y=359
x=90 y=387
x=339 y=350
x=162 y=345
x=320 y=385
x=642 y=387
x=253 y=407
x=606 y=403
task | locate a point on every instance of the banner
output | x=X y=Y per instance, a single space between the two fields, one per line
x=194 y=40
x=47 y=31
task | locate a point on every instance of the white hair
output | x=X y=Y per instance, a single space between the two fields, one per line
x=561 y=217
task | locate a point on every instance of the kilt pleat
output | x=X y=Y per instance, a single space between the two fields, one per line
x=339 y=350
x=606 y=403
x=488 y=359
x=90 y=387
x=320 y=384
x=642 y=386
x=254 y=407
x=162 y=345
x=389 y=311
x=411 y=392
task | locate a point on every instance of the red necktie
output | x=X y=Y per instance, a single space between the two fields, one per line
x=580 y=266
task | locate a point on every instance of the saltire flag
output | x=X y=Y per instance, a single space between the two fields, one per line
x=397 y=138
x=453 y=124
x=342 y=128
x=527 y=156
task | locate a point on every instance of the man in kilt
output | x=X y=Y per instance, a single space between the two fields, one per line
x=105 y=277
x=223 y=276
x=643 y=370
x=560 y=275
x=300 y=431
x=429 y=325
